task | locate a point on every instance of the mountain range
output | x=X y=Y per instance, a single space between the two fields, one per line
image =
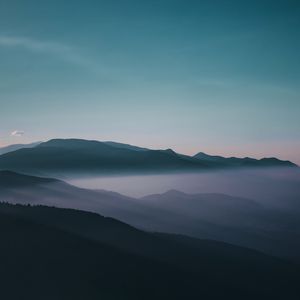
x=66 y=157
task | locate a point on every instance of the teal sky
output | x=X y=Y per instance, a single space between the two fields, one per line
x=221 y=77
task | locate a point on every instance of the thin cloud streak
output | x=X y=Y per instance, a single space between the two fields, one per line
x=62 y=51
x=18 y=133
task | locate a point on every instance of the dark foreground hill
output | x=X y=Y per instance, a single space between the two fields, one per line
x=76 y=157
x=50 y=253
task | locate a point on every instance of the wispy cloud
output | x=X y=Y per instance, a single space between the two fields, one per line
x=17 y=133
x=61 y=51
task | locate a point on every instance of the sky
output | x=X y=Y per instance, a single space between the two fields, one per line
x=222 y=77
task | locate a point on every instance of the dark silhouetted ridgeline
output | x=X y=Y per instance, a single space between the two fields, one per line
x=50 y=253
x=63 y=157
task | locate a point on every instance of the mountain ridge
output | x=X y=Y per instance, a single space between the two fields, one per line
x=75 y=156
x=244 y=161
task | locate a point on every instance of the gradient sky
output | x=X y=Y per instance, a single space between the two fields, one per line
x=215 y=76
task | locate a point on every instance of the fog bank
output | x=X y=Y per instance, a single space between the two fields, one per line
x=273 y=184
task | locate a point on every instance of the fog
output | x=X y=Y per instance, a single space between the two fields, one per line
x=255 y=208
x=280 y=186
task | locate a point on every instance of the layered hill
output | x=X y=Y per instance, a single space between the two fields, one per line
x=236 y=220
x=50 y=253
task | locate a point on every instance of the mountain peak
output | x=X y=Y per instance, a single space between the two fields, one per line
x=170 y=151
x=68 y=142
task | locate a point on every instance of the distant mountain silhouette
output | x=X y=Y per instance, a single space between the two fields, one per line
x=236 y=220
x=61 y=157
x=15 y=147
x=50 y=253
x=243 y=162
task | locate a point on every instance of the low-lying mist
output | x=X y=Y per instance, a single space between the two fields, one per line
x=276 y=185
x=256 y=208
